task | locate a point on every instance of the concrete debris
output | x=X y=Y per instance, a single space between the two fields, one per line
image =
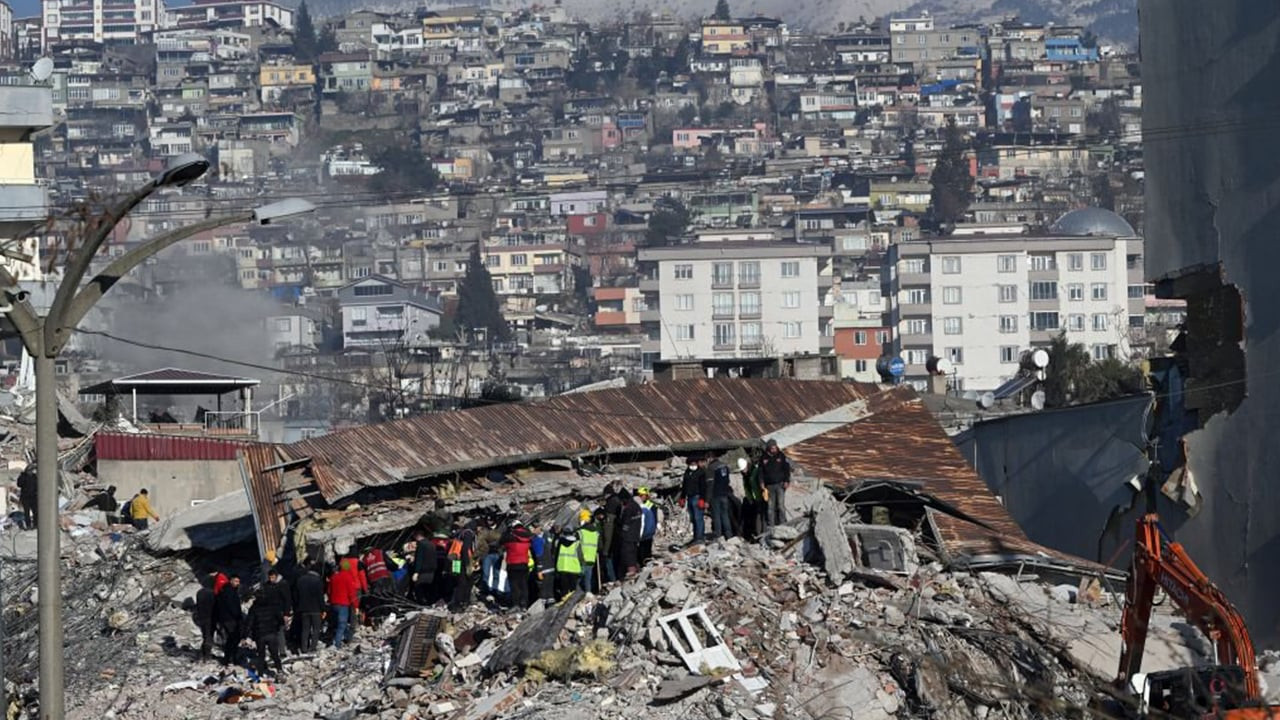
x=214 y=525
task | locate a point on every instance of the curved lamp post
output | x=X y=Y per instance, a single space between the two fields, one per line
x=45 y=337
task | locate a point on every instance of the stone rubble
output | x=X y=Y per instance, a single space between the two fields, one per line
x=859 y=643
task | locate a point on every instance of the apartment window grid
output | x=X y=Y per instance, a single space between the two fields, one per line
x=749 y=273
x=1008 y=354
x=1075 y=292
x=1075 y=262
x=684 y=272
x=951 y=296
x=1102 y=352
x=952 y=326
x=917 y=296
x=1075 y=322
x=1098 y=261
x=917 y=327
x=1100 y=322
x=860 y=366
x=790 y=269
x=915 y=357
x=1007 y=263
x=1136 y=292
x=749 y=303
x=751 y=333
x=1042 y=261
x=914 y=265
x=1044 y=290
x=684 y=332
x=722 y=304
x=684 y=302
x=722 y=274
x=791 y=330
x=955 y=355
x=951 y=265
x=1008 y=293
x=1008 y=323
x=791 y=299
x=1044 y=321
x=1098 y=291
x=724 y=334
x=882 y=337
x=860 y=337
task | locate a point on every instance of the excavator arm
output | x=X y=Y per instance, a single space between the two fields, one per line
x=1160 y=562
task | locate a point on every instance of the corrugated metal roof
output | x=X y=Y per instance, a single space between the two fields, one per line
x=146 y=446
x=171 y=380
x=906 y=443
x=652 y=417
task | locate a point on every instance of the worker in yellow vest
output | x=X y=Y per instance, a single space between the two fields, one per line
x=568 y=563
x=589 y=536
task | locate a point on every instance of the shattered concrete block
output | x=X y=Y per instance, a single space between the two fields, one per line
x=829 y=533
x=884 y=547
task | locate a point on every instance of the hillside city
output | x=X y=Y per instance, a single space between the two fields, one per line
x=560 y=368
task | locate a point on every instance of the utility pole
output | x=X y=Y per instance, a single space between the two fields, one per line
x=44 y=338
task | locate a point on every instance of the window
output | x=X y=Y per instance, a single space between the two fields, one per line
x=284 y=324
x=751 y=334
x=1008 y=323
x=441 y=266
x=722 y=274
x=367 y=290
x=859 y=337
x=1136 y=291
x=874 y=297
x=882 y=337
x=1075 y=323
x=1043 y=261
x=497 y=284
x=1098 y=261
x=915 y=357
x=791 y=299
x=722 y=304
x=955 y=355
x=917 y=296
x=359 y=316
x=1137 y=321
x=914 y=265
x=684 y=272
x=1100 y=322
x=950 y=264
x=519 y=259
x=390 y=311
x=724 y=333
x=1101 y=352
x=1007 y=263
x=917 y=327
x=749 y=273
x=950 y=296
x=952 y=326
x=1098 y=291
x=1075 y=292
x=1075 y=262
x=1044 y=321
x=639 y=305
x=684 y=302
x=790 y=269
x=749 y=303
x=1008 y=354
x=684 y=332
x=791 y=330
x=1044 y=290
x=860 y=366
x=492 y=260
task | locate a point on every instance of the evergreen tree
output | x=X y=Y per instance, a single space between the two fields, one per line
x=667 y=223
x=952 y=184
x=477 y=304
x=722 y=10
x=1073 y=377
x=304 y=35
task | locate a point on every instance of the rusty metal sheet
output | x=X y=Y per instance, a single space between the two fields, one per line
x=146 y=446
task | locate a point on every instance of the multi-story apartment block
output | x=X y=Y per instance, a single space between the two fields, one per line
x=24 y=203
x=380 y=313
x=735 y=300
x=7 y=34
x=110 y=22
x=980 y=300
x=724 y=37
x=917 y=41
x=230 y=14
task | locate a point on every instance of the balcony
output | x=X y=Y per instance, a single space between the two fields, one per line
x=650 y=316
x=749 y=282
x=924 y=340
x=915 y=309
x=610 y=318
x=649 y=284
x=913 y=278
x=826 y=343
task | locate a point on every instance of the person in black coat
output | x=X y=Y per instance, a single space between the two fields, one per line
x=630 y=519
x=423 y=572
x=229 y=615
x=27 y=496
x=203 y=616
x=309 y=607
x=266 y=621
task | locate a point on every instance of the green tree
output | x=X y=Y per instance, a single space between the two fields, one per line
x=478 y=304
x=1103 y=195
x=304 y=35
x=1073 y=377
x=402 y=170
x=952 y=185
x=722 y=10
x=669 y=221
x=686 y=114
x=327 y=41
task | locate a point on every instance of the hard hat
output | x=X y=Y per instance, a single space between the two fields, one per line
x=644 y=490
x=584 y=515
x=742 y=464
x=271 y=556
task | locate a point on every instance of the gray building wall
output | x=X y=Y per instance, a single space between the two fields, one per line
x=1211 y=175
x=171 y=484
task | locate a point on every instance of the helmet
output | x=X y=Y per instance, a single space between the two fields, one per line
x=644 y=490
x=742 y=464
x=584 y=516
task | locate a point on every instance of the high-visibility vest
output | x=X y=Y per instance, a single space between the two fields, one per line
x=570 y=559
x=590 y=540
x=455 y=556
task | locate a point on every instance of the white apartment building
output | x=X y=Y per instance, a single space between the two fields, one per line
x=725 y=300
x=99 y=21
x=981 y=300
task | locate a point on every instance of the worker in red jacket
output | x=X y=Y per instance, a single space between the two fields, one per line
x=344 y=600
x=516 y=545
x=381 y=584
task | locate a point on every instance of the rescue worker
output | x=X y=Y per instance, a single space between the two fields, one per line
x=107 y=503
x=344 y=601
x=544 y=550
x=280 y=595
x=424 y=569
x=630 y=522
x=309 y=605
x=229 y=615
x=203 y=615
x=399 y=568
x=517 y=548
x=444 y=579
x=568 y=563
x=461 y=549
x=381 y=585
x=753 y=506
x=589 y=537
x=775 y=472
x=140 y=510
x=266 y=625
x=648 y=525
x=693 y=496
x=28 y=496
x=719 y=479
x=608 y=520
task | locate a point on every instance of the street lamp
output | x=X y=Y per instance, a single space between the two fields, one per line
x=45 y=337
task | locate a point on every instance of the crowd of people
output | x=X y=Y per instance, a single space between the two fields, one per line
x=514 y=561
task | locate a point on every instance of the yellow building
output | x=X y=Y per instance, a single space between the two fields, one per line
x=286 y=75
x=724 y=37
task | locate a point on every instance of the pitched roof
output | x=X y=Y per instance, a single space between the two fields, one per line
x=170 y=380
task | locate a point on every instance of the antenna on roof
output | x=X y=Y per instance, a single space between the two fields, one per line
x=42 y=70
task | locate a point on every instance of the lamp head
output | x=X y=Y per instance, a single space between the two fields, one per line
x=182 y=170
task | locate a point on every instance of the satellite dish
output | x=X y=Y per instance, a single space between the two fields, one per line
x=939 y=366
x=987 y=400
x=42 y=70
x=1037 y=400
x=1040 y=358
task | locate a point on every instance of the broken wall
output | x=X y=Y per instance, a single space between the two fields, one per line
x=172 y=484
x=1213 y=211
